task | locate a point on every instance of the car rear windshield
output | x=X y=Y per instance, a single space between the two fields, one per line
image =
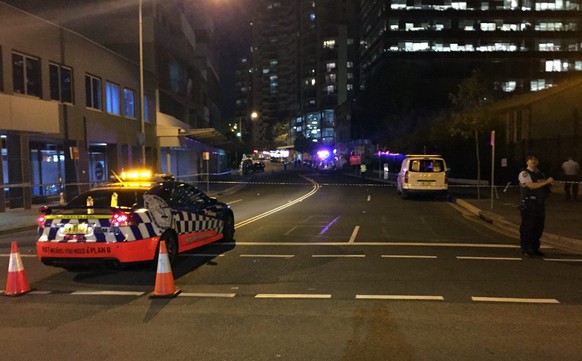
x=427 y=165
x=126 y=198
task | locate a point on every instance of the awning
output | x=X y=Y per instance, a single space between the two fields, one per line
x=209 y=136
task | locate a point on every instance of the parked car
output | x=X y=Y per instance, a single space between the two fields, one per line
x=123 y=223
x=422 y=174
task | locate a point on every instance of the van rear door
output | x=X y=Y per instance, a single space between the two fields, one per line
x=427 y=173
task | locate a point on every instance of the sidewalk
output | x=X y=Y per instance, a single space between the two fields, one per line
x=563 y=228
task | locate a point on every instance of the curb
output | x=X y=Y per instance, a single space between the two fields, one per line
x=556 y=241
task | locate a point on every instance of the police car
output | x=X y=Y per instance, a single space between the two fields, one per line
x=123 y=223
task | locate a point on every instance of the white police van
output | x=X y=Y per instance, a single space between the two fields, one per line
x=422 y=173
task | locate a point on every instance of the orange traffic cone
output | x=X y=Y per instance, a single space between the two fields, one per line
x=164 y=287
x=16 y=284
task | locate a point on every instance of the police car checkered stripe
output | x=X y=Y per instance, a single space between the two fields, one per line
x=187 y=222
x=100 y=230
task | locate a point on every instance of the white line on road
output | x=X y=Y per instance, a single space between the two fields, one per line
x=400 y=297
x=515 y=300
x=21 y=255
x=238 y=200
x=354 y=234
x=202 y=255
x=293 y=295
x=490 y=258
x=407 y=256
x=338 y=255
x=106 y=293
x=268 y=255
x=40 y=292
x=369 y=198
x=209 y=295
x=562 y=259
x=381 y=244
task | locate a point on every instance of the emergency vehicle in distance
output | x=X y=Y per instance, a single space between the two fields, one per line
x=123 y=223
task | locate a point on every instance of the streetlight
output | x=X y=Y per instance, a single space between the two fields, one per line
x=141 y=86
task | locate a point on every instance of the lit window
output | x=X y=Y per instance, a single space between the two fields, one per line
x=92 y=92
x=329 y=44
x=330 y=66
x=509 y=86
x=112 y=98
x=146 y=108
x=129 y=97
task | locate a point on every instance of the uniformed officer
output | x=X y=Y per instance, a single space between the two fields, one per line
x=534 y=188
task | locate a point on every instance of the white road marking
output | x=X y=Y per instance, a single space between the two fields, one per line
x=338 y=255
x=400 y=297
x=210 y=295
x=268 y=255
x=21 y=255
x=490 y=258
x=293 y=295
x=382 y=244
x=316 y=187
x=407 y=256
x=369 y=197
x=40 y=292
x=202 y=255
x=238 y=200
x=562 y=260
x=106 y=293
x=515 y=300
x=354 y=234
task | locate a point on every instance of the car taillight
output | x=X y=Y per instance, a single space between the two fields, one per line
x=40 y=220
x=406 y=177
x=121 y=219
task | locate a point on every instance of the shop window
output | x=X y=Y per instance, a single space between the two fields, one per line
x=61 y=83
x=26 y=75
x=112 y=98
x=93 y=92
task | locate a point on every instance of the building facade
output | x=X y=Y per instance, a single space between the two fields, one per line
x=303 y=65
x=523 y=45
x=71 y=105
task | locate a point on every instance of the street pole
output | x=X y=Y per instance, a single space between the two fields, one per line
x=492 y=165
x=141 y=86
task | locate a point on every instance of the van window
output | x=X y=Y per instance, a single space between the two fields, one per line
x=427 y=165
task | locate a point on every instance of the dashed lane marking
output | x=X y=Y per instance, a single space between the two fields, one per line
x=106 y=293
x=202 y=255
x=563 y=259
x=209 y=295
x=408 y=256
x=380 y=244
x=238 y=200
x=268 y=255
x=338 y=255
x=293 y=295
x=515 y=300
x=490 y=258
x=400 y=297
x=354 y=235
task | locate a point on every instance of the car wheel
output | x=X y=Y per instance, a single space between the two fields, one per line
x=228 y=231
x=171 y=247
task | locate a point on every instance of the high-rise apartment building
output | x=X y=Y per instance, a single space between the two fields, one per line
x=522 y=45
x=304 y=61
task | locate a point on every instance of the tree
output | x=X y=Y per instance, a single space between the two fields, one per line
x=471 y=114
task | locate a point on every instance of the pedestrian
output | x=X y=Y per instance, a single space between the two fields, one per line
x=363 y=170
x=534 y=188
x=571 y=169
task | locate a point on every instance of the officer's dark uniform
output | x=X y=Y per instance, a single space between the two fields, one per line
x=533 y=212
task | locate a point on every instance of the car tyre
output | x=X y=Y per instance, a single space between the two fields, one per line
x=171 y=247
x=228 y=231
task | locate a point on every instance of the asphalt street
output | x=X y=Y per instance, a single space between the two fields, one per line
x=323 y=267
